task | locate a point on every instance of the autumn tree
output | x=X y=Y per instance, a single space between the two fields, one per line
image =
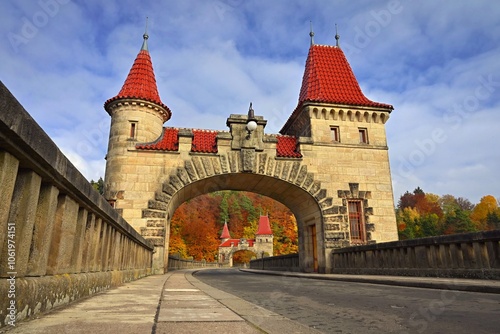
x=487 y=206
x=197 y=224
x=418 y=215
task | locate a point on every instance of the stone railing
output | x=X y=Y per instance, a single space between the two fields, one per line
x=60 y=240
x=175 y=263
x=289 y=262
x=468 y=255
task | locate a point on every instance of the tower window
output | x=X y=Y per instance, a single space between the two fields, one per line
x=334 y=132
x=133 y=129
x=356 y=222
x=363 y=136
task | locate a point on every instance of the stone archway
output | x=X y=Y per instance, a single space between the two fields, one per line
x=286 y=181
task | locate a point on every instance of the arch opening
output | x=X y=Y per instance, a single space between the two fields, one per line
x=301 y=203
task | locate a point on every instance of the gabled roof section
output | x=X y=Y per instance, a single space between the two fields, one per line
x=264 y=226
x=287 y=147
x=328 y=78
x=225 y=232
x=236 y=242
x=168 y=141
x=141 y=82
x=204 y=141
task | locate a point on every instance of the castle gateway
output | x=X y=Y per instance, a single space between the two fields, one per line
x=329 y=164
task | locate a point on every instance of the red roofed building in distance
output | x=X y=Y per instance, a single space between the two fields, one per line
x=329 y=163
x=262 y=245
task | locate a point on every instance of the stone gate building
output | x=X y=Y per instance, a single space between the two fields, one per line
x=329 y=164
x=261 y=246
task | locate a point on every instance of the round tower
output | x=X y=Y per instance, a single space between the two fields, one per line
x=137 y=116
x=264 y=237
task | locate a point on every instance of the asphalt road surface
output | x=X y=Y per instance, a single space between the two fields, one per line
x=343 y=307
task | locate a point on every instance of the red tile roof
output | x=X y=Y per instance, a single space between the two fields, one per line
x=225 y=232
x=204 y=141
x=141 y=83
x=264 y=227
x=168 y=141
x=235 y=243
x=328 y=78
x=287 y=147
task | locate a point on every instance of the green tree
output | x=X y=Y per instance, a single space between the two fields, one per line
x=98 y=185
x=493 y=220
x=224 y=207
x=458 y=222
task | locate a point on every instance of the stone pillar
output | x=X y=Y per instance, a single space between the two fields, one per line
x=78 y=245
x=88 y=240
x=8 y=174
x=42 y=232
x=22 y=215
x=63 y=236
x=95 y=250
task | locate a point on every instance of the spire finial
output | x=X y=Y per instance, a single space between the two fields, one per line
x=337 y=36
x=251 y=114
x=145 y=36
x=311 y=33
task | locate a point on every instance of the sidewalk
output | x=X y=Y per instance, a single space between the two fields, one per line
x=175 y=302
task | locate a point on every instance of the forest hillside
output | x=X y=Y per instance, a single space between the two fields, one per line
x=197 y=224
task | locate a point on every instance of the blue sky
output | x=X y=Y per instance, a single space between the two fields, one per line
x=437 y=62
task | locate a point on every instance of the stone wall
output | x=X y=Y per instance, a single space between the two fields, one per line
x=60 y=240
x=467 y=255
x=175 y=263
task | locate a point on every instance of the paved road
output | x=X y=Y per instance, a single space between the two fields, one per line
x=341 y=307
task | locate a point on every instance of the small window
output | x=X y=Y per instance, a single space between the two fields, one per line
x=356 y=222
x=334 y=131
x=133 y=129
x=363 y=136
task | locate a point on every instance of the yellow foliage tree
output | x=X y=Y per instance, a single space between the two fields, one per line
x=479 y=215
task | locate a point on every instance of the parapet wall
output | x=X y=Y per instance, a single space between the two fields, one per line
x=60 y=240
x=289 y=262
x=467 y=255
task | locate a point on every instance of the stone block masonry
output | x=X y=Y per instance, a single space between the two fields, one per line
x=59 y=239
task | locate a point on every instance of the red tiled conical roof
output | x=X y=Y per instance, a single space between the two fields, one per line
x=328 y=78
x=264 y=227
x=225 y=232
x=141 y=83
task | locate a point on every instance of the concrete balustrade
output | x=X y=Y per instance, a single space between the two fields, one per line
x=289 y=262
x=467 y=255
x=175 y=263
x=60 y=240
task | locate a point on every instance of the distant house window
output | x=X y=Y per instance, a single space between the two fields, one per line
x=133 y=129
x=112 y=202
x=334 y=132
x=363 y=136
x=356 y=222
